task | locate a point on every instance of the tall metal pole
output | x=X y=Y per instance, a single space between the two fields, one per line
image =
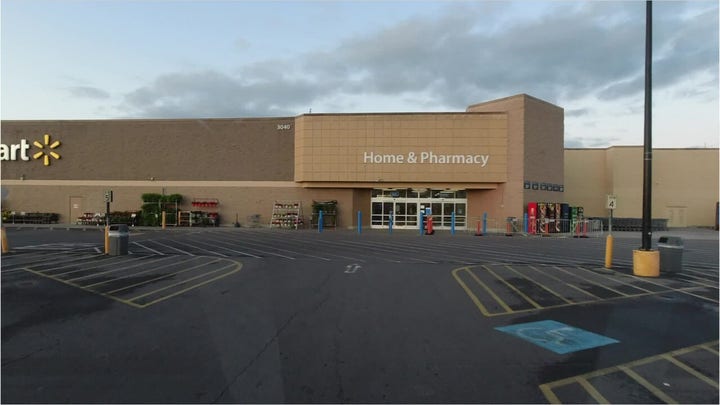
x=647 y=168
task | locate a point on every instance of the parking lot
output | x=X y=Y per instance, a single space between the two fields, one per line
x=258 y=315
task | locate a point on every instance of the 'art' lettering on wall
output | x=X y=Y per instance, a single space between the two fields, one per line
x=10 y=152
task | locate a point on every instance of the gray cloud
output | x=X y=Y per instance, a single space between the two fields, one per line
x=577 y=112
x=594 y=48
x=88 y=92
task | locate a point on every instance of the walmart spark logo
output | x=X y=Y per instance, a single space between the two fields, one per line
x=46 y=150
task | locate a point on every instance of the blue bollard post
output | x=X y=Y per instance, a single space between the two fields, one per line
x=422 y=225
x=359 y=219
x=391 y=223
x=452 y=223
x=320 y=221
x=484 y=223
x=525 y=222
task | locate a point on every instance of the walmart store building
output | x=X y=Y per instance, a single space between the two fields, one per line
x=494 y=158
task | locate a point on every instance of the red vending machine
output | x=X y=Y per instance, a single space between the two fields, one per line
x=558 y=217
x=532 y=217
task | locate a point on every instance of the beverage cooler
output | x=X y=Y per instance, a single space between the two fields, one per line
x=565 y=217
x=532 y=217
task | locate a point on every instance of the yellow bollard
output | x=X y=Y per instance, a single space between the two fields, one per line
x=163 y=220
x=646 y=263
x=608 y=251
x=5 y=247
x=107 y=239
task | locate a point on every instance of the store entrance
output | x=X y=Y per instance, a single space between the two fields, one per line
x=402 y=207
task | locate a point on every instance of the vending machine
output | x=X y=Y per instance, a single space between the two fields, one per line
x=565 y=217
x=532 y=217
x=558 y=217
x=542 y=218
x=551 y=217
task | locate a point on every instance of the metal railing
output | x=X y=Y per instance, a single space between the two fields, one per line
x=585 y=228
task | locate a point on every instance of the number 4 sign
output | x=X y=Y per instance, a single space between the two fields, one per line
x=611 y=202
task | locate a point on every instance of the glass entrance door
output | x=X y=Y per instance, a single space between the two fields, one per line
x=403 y=208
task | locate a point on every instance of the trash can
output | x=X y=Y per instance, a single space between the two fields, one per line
x=119 y=236
x=671 y=251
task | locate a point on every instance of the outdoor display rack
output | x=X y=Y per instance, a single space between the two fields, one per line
x=198 y=217
x=287 y=215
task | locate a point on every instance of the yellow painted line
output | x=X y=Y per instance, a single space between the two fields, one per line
x=690 y=370
x=512 y=287
x=491 y=292
x=115 y=270
x=648 y=386
x=178 y=283
x=90 y=268
x=549 y=394
x=592 y=391
x=138 y=273
x=591 y=282
x=239 y=266
x=509 y=310
x=566 y=283
x=539 y=284
x=158 y=278
x=546 y=388
x=615 y=278
x=710 y=349
x=472 y=296
x=132 y=304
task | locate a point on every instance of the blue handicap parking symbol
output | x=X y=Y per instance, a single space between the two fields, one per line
x=556 y=336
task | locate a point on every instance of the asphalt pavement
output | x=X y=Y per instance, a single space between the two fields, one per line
x=228 y=315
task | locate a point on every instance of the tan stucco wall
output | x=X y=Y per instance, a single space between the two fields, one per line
x=341 y=148
x=535 y=152
x=684 y=182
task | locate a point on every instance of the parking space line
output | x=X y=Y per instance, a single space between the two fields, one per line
x=690 y=370
x=173 y=248
x=591 y=282
x=178 y=283
x=490 y=291
x=43 y=258
x=72 y=280
x=617 y=279
x=244 y=242
x=512 y=287
x=225 y=268
x=134 y=274
x=648 y=385
x=150 y=249
x=132 y=304
x=683 y=290
x=482 y=301
x=627 y=368
x=568 y=284
x=198 y=247
x=157 y=278
x=239 y=266
x=538 y=284
x=592 y=391
x=88 y=268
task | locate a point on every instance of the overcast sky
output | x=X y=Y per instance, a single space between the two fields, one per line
x=203 y=59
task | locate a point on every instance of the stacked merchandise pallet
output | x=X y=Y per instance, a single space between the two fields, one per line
x=287 y=215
